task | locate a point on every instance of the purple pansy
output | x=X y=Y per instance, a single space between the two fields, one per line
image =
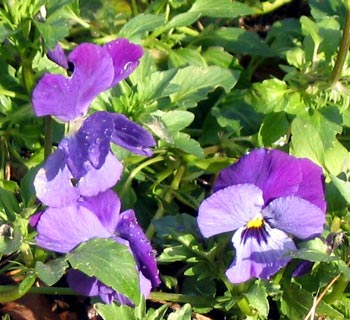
x=63 y=229
x=95 y=69
x=266 y=198
x=83 y=163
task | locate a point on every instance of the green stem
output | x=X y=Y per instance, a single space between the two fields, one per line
x=343 y=48
x=174 y=297
x=48 y=136
x=41 y=290
x=134 y=8
x=268 y=6
x=13 y=94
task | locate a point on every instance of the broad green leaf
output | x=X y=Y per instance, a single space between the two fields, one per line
x=312 y=255
x=8 y=203
x=184 y=313
x=110 y=262
x=52 y=271
x=192 y=84
x=337 y=159
x=184 y=142
x=257 y=298
x=177 y=120
x=183 y=57
x=10 y=238
x=306 y=141
x=275 y=126
x=136 y=28
x=236 y=40
x=113 y=311
x=342 y=186
x=157 y=314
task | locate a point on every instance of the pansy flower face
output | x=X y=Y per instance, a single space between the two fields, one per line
x=267 y=198
x=83 y=164
x=63 y=229
x=94 y=69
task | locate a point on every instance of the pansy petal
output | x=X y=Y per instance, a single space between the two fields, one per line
x=95 y=136
x=129 y=229
x=275 y=172
x=52 y=183
x=99 y=180
x=131 y=136
x=256 y=258
x=62 y=229
x=70 y=98
x=295 y=216
x=58 y=56
x=106 y=206
x=126 y=57
x=229 y=209
x=312 y=186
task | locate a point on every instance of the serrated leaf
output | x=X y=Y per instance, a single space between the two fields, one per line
x=113 y=311
x=52 y=271
x=110 y=262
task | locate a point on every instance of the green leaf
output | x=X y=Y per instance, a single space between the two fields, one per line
x=8 y=202
x=312 y=255
x=113 y=311
x=10 y=239
x=257 y=298
x=14 y=293
x=177 y=120
x=186 y=91
x=110 y=262
x=274 y=127
x=342 y=186
x=184 y=313
x=184 y=142
x=52 y=271
x=306 y=141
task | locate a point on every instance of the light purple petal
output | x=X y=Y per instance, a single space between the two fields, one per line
x=295 y=216
x=229 y=209
x=131 y=136
x=94 y=136
x=259 y=259
x=91 y=287
x=52 y=183
x=126 y=57
x=70 y=98
x=275 y=172
x=312 y=186
x=58 y=56
x=145 y=285
x=129 y=229
x=62 y=229
x=106 y=206
x=99 y=180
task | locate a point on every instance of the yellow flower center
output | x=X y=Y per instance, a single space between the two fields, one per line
x=256 y=222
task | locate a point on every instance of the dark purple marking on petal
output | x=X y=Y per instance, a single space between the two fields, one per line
x=131 y=136
x=106 y=206
x=58 y=56
x=275 y=172
x=62 y=229
x=304 y=267
x=52 y=183
x=229 y=209
x=126 y=57
x=295 y=216
x=34 y=219
x=259 y=259
x=129 y=229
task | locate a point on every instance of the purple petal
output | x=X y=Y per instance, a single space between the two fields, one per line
x=62 y=229
x=260 y=259
x=91 y=287
x=53 y=184
x=34 y=219
x=58 y=56
x=129 y=229
x=106 y=206
x=99 y=180
x=295 y=216
x=125 y=55
x=94 y=136
x=276 y=173
x=229 y=209
x=131 y=136
x=312 y=186
x=304 y=267
x=70 y=98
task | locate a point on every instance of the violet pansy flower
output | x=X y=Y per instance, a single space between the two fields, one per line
x=267 y=198
x=63 y=229
x=83 y=164
x=95 y=69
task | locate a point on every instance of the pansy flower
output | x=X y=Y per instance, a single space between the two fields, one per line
x=267 y=199
x=83 y=164
x=63 y=229
x=93 y=68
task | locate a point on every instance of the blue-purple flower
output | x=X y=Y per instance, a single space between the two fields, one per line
x=267 y=198
x=63 y=229
x=94 y=70
x=83 y=164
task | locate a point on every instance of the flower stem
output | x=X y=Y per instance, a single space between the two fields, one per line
x=48 y=137
x=343 y=48
x=175 y=297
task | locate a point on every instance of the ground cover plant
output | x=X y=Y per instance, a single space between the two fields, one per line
x=174 y=159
